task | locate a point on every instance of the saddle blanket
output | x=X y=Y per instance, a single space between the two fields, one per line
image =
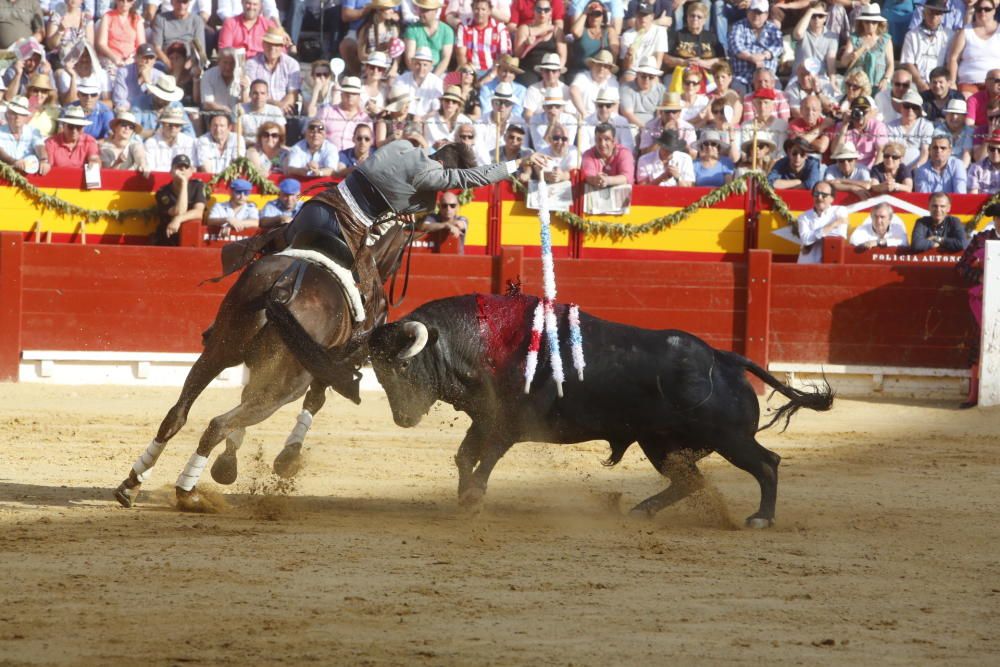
x=342 y=275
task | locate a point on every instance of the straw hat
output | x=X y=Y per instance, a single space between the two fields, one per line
x=19 y=105
x=41 y=81
x=166 y=89
x=956 y=106
x=399 y=97
x=125 y=117
x=671 y=102
x=510 y=62
x=712 y=135
x=423 y=53
x=763 y=137
x=351 y=84
x=553 y=97
x=603 y=57
x=383 y=4
x=428 y=4
x=871 y=13
x=504 y=91
x=648 y=66
x=173 y=116
x=912 y=98
x=607 y=96
x=550 y=61
x=453 y=93
x=275 y=35
x=74 y=116
x=378 y=59
x=846 y=151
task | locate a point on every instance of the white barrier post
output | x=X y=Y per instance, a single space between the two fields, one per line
x=989 y=365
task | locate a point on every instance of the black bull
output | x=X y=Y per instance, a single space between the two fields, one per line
x=679 y=398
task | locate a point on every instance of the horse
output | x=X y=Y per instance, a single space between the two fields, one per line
x=253 y=327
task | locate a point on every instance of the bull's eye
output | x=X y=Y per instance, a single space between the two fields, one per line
x=404 y=365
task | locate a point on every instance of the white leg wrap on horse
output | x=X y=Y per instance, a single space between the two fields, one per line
x=302 y=424
x=192 y=471
x=148 y=459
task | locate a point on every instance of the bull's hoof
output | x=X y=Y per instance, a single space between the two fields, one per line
x=191 y=501
x=288 y=462
x=759 y=522
x=471 y=497
x=640 y=513
x=127 y=495
x=224 y=470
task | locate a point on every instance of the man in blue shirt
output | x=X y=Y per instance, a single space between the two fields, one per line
x=280 y=211
x=796 y=170
x=754 y=42
x=99 y=115
x=314 y=156
x=942 y=172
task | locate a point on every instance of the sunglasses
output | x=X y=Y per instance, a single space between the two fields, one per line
x=271 y=135
x=560 y=139
x=994 y=149
x=86 y=94
x=504 y=103
x=646 y=76
x=710 y=144
x=853 y=86
x=887 y=156
x=985 y=9
x=317 y=128
x=363 y=138
x=543 y=10
x=691 y=83
x=605 y=105
x=900 y=84
x=324 y=72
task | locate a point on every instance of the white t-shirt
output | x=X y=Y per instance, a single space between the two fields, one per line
x=810 y=225
x=651 y=167
x=426 y=95
x=585 y=85
x=653 y=41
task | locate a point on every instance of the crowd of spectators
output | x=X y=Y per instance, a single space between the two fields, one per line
x=868 y=98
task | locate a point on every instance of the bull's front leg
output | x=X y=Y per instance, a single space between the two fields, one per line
x=468 y=456
x=492 y=451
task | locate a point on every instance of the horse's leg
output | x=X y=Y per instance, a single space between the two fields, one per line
x=225 y=470
x=289 y=460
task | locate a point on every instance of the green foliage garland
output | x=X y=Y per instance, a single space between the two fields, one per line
x=241 y=167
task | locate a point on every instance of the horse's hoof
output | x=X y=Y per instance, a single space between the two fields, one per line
x=125 y=495
x=288 y=461
x=471 y=497
x=224 y=470
x=759 y=522
x=191 y=501
x=639 y=513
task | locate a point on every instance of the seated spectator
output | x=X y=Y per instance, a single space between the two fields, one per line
x=430 y=34
x=857 y=85
x=269 y=153
x=186 y=72
x=504 y=71
x=722 y=72
x=608 y=163
x=165 y=95
x=910 y=130
x=942 y=172
x=669 y=166
x=373 y=89
x=563 y=156
x=889 y=101
x=797 y=169
x=592 y=31
x=481 y=39
x=314 y=156
x=754 y=43
x=182 y=25
x=491 y=128
x=122 y=149
x=220 y=91
x=257 y=111
x=446 y=219
x=694 y=44
x=938 y=94
x=536 y=39
x=280 y=70
x=168 y=142
x=822 y=220
x=16 y=77
x=120 y=32
x=280 y=211
x=95 y=111
x=954 y=125
x=845 y=174
x=809 y=80
x=523 y=11
x=640 y=97
x=981 y=106
x=180 y=200
x=891 y=175
x=217 y=148
x=586 y=85
x=870 y=47
x=815 y=42
x=811 y=125
x=236 y=215
x=82 y=69
x=246 y=30
x=646 y=40
x=378 y=32
x=543 y=124
x=711 y=168
x=939 y=230
x=757 y=154
x=42 y=102
x=607 y=113
x=68 y=23
x=22 y=146
x=863 y=130
x=425 y=87
x=130 y=90
x=882 y=229
x=764 y=118
x=340 y=120
x=693 y=80
x=458 y=12
x=439 y=128
x=470 y=91
x=363 y=148
x=466 y=134
x=973 y=51
x=764 y=79
x=668 y=117
x=513 y=145
x=984 y=176
x=926 y=47
x=549 y=70
x=395 y=121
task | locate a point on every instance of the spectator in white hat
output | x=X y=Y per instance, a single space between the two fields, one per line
x=341 y=119
x=954 y=124
x=845 y=174
x=870 y=47
x=375 y=79
x=122 y=149
x=431 y=34
x=425 y=86
x=71 y=147
x=494 y=125
x=553 y=115
x=94 y=110
x=911 y=130
x=21 y=145
x=607 y=113
x=586 y=85
x=550 y=70
x=169 y=141
x=395 y=121
x=640 y=97
x=647 y=39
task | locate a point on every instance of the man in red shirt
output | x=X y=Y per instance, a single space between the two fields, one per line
x=482 y=40
x=71 y=146
x=245 y=30
x=608 y=162
x=523 y=11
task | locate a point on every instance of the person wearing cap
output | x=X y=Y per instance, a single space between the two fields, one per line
x=245 y=30
x=314 y=156
x=973 y=51
x=494 y=125
x=430 y=33
x=954 y=124
x=586 y=85
x=869 y=47
x=670 y=165
x=815 y=41
x=911 y=129
x=280 y=70
x=891 y=175
x=179 y=24
x=562 y=154
x=889 y=101
x=694 y=44
x=971 y=268
x=939 y=93
x=797 y=169
x=606 y=114
x=984 y=176
x=926 y=46
x=95 y=111
x=282 y=210
x=713 y=167
x=550 y=70
x=16 y=76
x=668 y=117
x=122 y=149
x=22 y=146
x=942 y=172
x=440 y=127
x=514 y=148
x=258 y=111
x=754 y=43
x=607 y=163
x=168 y=141
x=822 y=220
x=216 y=149
x=236 y=215
x=845 y=174
x=130 y=90
x=862 y=128
x=482 y=39
x=882 y=229
x=764 y=79
x=363 y=148
x=940 y=230
x=341 y=119
x=425 y=86
x=505 y=70
x=764 y=103
x=71 y=146
x=640 y=97
x=809 y=80
x=180 y=200
x=646 y=40
x=553 y=115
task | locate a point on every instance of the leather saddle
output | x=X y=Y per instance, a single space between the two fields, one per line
x=330 y=246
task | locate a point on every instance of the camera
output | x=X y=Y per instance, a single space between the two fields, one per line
x=857 y=114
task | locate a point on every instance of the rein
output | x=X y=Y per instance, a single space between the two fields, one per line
x=408 y=245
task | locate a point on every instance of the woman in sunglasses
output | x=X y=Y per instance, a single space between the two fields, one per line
x=536 y=40
x=974 y=50
x=270 y=152
x=469 y=83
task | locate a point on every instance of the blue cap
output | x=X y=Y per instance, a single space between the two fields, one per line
x=241 y=185
x=290 y=186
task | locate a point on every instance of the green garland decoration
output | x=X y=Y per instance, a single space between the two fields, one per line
x=241 y=167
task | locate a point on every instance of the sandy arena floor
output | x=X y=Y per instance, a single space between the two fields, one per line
x=886 y=546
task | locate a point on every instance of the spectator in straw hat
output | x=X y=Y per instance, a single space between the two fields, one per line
x=94 y=110
x=586 y=85
x=280 y=70
x=180 y=24
x=954 y=124
x=640 y=97
x=712 y=168
x=245 y=30
x=42 y=102
x=165 y=94
x=169 y=141
x=374 y=80
x=984 y=176
x=756 y=153
x=341 y=119
x=607 y=113
x=395 y=121
x=554 y=115
x=430 y=33
x=911 y=129
x=670 y=165
x=845 y=174
x=122 y=148
x=22 y=146
x=494 y=125
x=439 y=128
x=71 y=146
x=550 y=69
x=505 y=70
x=869 y=47
x=425 y=86
x=481 y=39
x=668 y=117
x=217 y=148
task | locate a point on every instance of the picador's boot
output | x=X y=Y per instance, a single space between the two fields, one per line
x=973 y=398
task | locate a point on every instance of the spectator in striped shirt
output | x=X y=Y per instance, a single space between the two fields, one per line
x=482 y=39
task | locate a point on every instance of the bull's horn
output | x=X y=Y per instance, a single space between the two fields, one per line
x=418 y=332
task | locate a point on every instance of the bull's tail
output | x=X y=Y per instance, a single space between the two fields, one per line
x=818 y=397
